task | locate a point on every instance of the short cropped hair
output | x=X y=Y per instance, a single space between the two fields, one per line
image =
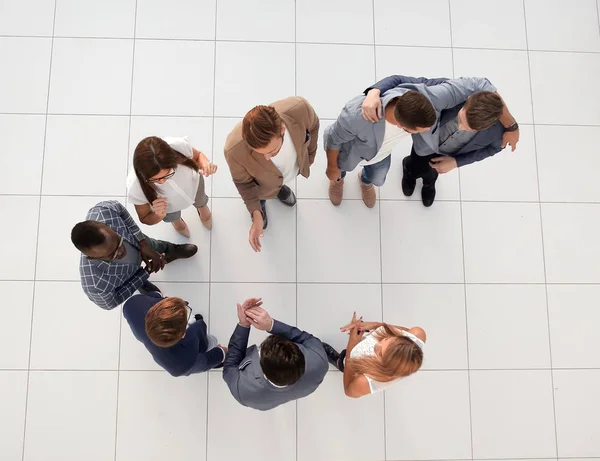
x=413 y=110
x=166 y=322
x=483 y=109
x=87 y=234
x=260 y=125
x=281 y=361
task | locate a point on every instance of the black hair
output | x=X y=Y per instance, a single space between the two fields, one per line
x=87 y=234
x=281 y=360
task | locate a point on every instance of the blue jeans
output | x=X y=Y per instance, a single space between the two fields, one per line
x=375 y=174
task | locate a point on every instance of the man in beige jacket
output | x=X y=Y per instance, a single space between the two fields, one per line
x=266 y=151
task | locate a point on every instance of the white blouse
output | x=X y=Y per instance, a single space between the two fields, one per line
x=179 y=190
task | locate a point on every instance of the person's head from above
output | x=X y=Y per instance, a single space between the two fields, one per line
x=98 y=241
x=281 y=361
x=480 y=112
x=155 y=162
x=263 y=130
x=166 y=321
x=396 y=355
x=414 y=112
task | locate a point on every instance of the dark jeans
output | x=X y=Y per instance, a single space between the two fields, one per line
x=280 y=195
x=375 y=174
x=416 y=167
x=160 y=246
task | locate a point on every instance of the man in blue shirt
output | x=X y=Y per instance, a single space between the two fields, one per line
x=161 y=324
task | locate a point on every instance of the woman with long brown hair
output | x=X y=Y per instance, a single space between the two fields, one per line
x=377 y=354
x=168 y=177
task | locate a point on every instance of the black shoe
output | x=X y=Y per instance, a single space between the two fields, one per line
x=428 y=194
x=198 y=317
x=149 y=287
x=286 y=196
x=263 y=207
x=333 y=356
x=181 y=252
x=408 y=185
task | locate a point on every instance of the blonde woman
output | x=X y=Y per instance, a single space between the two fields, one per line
x=377 y=354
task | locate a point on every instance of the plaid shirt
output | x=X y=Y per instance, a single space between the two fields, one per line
x=108 y=284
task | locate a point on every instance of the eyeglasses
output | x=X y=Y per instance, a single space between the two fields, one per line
x=113 y=255
x=162 y=178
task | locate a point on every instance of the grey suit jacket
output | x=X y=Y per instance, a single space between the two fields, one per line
x=245 y=379
x=359 y=139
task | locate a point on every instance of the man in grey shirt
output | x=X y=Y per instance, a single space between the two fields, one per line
x=288 y=365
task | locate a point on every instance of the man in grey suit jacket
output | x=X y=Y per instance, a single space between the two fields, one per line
x=288 y=365
x=414 y=105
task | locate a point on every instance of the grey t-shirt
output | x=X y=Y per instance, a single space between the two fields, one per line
x=133 y=255
x=452 y=139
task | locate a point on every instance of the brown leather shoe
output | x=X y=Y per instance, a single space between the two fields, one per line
x=369 y=195
x=336 y=192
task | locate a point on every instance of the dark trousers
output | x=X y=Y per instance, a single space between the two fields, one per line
x=415 y=167
x=160 y=246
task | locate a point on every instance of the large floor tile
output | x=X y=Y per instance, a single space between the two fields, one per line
x=185 y=19
x=507 y=404
x=19 y=249
x=278 y=298
x=324 y=308
x=413 y=61
x=427 y=417
x=275 y=22
x=325 y=439
x=226 y=416
x=474 y=26
x=27 y=17
x=71 y=415
x=19 y=296
x=432 y=16
x=57 y=341
x=223 y=185
x=507 y=70
x=504 y=318
x=414 y=247
x=25 y=87
x=23 y=138
x=573 y=319
x=571 y=242
x=234 y=260
x=349 y=252
x=13 y=389
x=440 y=311
x=577 y=408
x=194 y=269
x=134 y=355
x=563 y=180
x=345 y=79
x=551 y=25
x=103 y=70
x=57 y=258
x=335 y=21
x=550 y=71
x=75 y=166
x=503 y=243
x=507 y=176
x=241 y=80
x=184 y=76
x=161 y=417
x=110 y=18
x=447 y=187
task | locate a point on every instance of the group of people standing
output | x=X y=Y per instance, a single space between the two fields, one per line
x=453 y=122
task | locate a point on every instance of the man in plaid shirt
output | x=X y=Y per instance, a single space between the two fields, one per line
x=113 y=248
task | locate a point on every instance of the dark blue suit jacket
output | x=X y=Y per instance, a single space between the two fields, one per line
x=184 y=358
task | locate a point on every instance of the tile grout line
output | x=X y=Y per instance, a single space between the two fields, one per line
x=462 y=238
x=598 y=15
x=542 y=233
x=212 y=204
x=37 y=247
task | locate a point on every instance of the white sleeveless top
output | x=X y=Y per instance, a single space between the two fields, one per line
x=366 y=348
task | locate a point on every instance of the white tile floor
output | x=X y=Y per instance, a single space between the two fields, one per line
x=503 y=271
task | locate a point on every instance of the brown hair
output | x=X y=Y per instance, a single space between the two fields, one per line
x=166 y=322
x=151 y=155
x=413 y=110
x=402 y=358
x=483 y=109
x=260 y=125
x=281 y=360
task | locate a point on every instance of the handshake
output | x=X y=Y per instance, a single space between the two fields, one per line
x=252 y=313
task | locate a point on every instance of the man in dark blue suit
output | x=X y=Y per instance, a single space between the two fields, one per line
x=161 y=324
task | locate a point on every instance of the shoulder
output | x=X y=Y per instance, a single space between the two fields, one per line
x=180 y=144
x=294 y=106
x=235 y=146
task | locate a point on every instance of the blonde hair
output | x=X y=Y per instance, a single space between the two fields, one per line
x=403 y=357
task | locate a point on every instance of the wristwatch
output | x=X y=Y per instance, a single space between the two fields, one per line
x=513 y=127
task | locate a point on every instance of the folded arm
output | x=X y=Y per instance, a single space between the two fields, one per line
x=477 y=155
x=393 y=81
x=235 y=354
x=105 y=296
